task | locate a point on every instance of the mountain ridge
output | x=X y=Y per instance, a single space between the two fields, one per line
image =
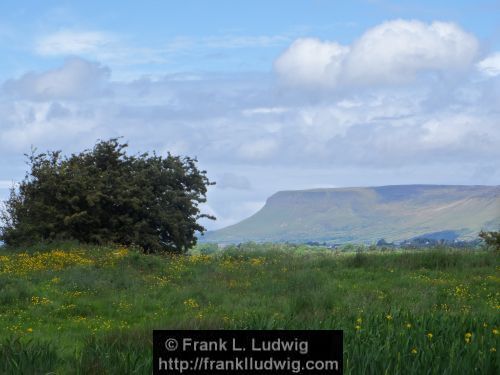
x=367 y=214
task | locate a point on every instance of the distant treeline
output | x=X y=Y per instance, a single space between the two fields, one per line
x=413 y=243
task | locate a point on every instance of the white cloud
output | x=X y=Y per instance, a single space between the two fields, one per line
x=490 y=66
x=264 y=111
x=240 y=121
x=233 y=181
x=396 y=51
x=77 y=78
x=126 y=54
x=311 y=61
x=33 y=123
x=258 y=149
x=69 y=42
x=449 y=131
x=393 y=52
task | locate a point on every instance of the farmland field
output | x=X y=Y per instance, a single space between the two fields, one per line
x=80 y=309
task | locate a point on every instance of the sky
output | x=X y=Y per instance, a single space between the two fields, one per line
x=267 y=95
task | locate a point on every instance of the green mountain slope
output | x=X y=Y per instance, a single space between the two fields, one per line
x=369 y=213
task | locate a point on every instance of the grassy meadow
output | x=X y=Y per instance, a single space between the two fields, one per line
x=90 y=310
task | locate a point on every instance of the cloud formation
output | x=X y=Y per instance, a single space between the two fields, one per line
x=233 y=181
x=76 y=79
x=490 y=66
x=380 y=111
x=68 y=42
x=393 y=52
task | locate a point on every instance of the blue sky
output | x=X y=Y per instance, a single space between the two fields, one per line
x=245 y=36
x=269 y=95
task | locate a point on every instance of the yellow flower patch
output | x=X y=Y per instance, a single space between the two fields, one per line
x=23 y=263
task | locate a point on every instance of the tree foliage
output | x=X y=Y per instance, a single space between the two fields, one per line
x=103 y=195
x=491 y=239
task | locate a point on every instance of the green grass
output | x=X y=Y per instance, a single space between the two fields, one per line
x=91 y=310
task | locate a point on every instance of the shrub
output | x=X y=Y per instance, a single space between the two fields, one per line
x=491 y=239
x=105 y=196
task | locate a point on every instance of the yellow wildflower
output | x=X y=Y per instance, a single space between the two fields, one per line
x=429 y=335
x=24 y=263
x=468 y=337
x=495 y=331
x=256 y=261
x=388 y=317
x=120 y=253
x=357 y=327
x=408 y=325
x=493 y=350
x=359 y=320
x=35 y=300
x=414 y=351
x=29 y=330
x=191 y=303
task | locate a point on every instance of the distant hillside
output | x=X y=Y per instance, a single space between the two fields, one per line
x=367 y=214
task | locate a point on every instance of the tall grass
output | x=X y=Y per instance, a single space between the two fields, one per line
x=418 y=312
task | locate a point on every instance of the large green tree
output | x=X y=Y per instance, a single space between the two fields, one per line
x=103 y=195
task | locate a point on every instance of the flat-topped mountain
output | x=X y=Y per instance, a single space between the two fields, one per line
x=367 y=214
